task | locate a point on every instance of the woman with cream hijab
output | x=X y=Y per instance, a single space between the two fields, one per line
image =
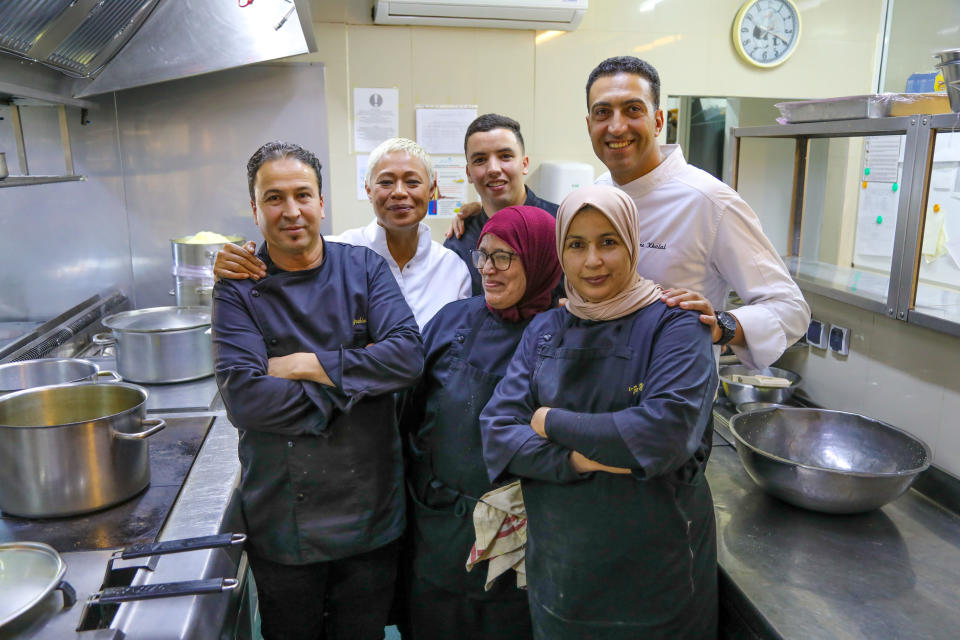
x=618 y=388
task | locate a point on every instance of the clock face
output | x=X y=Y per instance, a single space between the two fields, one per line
x=766 y=32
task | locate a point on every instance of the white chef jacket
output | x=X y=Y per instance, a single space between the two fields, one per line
x=431 y=279
x=698 y=233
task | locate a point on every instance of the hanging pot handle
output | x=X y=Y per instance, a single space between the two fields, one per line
x=69 y=593
x=113 y=375
x=115 y=595
x=155 y=424
x=103 y=339
x=180 y=545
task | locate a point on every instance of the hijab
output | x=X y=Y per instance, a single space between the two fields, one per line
x=530 y=232
x=622 y=213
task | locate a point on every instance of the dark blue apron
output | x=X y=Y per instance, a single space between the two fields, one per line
x=445 y=484
x=614 y=556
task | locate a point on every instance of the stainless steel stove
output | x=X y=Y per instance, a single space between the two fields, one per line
x=194 y=475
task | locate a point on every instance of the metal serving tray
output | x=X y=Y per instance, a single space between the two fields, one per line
x=876 y=105
x=846 y=108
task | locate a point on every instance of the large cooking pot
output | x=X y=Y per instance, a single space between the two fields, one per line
x=73 y=448
x=161 y=344
x=193 y=270
x=16 y=376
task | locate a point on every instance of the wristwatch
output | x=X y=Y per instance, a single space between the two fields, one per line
x=728 y=324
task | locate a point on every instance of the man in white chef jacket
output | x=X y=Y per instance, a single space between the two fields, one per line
x=698 y=236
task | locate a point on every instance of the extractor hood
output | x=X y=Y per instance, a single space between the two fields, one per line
x=107 y=45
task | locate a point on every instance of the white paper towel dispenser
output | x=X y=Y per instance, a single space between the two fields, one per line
x=557 y=179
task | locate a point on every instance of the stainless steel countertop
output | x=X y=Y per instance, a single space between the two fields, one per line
x=206 y=506
x=892 y=573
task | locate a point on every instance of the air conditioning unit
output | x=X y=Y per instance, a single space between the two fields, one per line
x=558 y=15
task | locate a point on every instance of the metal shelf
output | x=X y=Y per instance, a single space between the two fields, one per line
x=918 y=131
x=22 y=181
x=830 y=128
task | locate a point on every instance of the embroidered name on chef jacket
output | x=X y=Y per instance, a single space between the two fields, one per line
x=655 y=245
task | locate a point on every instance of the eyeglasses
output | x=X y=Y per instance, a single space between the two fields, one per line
x=501 y=259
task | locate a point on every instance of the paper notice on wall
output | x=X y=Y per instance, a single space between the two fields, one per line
x=375 y=117
x=953 y=248
x=440 y=130
x=362 y=177
x=943 y=178
x=881 y=159
x=877 y=220
x=451 y=185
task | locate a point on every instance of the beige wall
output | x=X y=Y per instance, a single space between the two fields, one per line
x=542 y=85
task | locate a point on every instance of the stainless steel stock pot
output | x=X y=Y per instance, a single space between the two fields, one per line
x=161 y=344
x=73 y=448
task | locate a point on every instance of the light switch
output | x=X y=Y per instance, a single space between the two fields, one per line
x=817 y=334
x=840 y=340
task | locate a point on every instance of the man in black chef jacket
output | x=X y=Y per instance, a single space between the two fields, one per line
x=307 y=360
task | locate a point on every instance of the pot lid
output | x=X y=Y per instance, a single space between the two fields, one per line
x=28 y=572
x=159 y=319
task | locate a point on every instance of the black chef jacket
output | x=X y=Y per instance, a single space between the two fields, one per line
x=322 y=475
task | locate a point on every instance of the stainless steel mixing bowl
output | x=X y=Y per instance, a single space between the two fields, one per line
x=743 y=393
x=747 y=407
x=828 y=461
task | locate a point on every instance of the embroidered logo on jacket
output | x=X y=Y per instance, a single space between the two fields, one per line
x=635 y=388
x=357 y=321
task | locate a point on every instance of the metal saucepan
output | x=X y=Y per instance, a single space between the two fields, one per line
x=16 y=376
x=829 y=461
x=28 y=572
x=73 y=448
x=161 y=344
x=741 y=393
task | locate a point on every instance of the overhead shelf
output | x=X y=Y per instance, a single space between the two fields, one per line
x=20 y=181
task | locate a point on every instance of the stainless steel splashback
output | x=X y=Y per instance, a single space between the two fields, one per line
x=62 y=243
x=185 y=145
x=160 y=162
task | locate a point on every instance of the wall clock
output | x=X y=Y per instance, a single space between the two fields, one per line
x=766 y=32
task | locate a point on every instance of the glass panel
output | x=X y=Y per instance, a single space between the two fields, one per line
x=938 y=285
x=917 y=30
x=850 y=214
x=765 y=181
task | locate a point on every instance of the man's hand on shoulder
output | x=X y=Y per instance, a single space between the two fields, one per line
x=468 y=210
x=694 y=301
x=238 y=263
x=298 y=366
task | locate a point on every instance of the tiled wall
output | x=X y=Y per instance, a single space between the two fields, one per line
x=905 y=375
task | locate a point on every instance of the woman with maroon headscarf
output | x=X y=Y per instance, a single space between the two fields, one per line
x=468 y=344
